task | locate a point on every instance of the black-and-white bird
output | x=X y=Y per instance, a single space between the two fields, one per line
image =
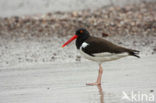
x=99 y=50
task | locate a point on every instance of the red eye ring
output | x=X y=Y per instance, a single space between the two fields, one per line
x=81 y=31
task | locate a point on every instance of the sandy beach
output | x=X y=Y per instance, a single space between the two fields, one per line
x=35 y=69
x=38 y=38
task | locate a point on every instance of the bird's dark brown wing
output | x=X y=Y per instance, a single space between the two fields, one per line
x=98 y=45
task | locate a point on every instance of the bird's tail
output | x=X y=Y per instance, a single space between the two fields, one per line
x=134 y=53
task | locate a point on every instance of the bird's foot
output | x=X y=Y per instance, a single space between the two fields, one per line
x=91 y=84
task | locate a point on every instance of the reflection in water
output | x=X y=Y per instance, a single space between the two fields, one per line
x=101 y=94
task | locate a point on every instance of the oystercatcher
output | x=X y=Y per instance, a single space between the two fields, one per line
x=99 y=50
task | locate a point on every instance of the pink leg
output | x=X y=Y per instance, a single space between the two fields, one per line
x=98 y=81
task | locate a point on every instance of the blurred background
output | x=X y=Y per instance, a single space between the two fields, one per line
x=34 y=68
x=32 y=31
x=29 y=7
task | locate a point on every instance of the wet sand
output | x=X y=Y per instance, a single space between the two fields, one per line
x=65 y=83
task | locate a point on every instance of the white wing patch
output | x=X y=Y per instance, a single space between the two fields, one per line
x=110 y=54
x=102 y=54
x=84 y=45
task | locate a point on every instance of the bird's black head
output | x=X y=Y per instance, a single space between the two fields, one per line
x=82 y=33
x=80 y=36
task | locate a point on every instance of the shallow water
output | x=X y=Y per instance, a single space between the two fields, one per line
x=65 y=83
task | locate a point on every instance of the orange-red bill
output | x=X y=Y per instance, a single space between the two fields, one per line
x=70 y=40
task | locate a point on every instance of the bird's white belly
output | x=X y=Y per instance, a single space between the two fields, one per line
x=103 y=57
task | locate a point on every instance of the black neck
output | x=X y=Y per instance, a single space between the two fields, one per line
x=80 y=40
